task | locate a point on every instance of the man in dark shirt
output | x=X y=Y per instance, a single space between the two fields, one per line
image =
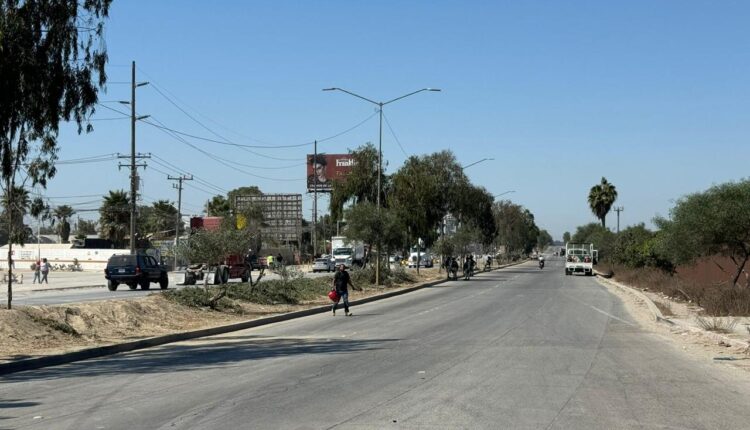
x=341 y=282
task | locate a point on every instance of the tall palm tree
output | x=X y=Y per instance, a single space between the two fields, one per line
x=61 y=214
x=218 y=206
x=114 y=217
x=601 y=198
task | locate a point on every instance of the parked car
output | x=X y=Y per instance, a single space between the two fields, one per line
x=135 y=270
x=323 y=265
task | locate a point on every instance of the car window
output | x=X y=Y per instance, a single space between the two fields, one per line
x=121 y=260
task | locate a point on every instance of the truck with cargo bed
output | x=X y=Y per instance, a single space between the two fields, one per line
x=579 y=258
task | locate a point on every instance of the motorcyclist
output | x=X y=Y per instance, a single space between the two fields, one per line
x=541 y=262
x=488 y=263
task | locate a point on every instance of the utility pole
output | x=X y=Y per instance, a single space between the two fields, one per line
x=618 y=209
x=315 y=202
x=178 y=186
x=133 y=157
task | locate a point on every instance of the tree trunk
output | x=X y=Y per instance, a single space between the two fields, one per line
x=740 y=269
x=9 y=209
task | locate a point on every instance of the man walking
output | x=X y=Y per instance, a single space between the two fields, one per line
x=341 y=282
x=45 y=271
x=37 y=272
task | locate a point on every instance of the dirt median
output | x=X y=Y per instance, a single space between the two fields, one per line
x=36 y=331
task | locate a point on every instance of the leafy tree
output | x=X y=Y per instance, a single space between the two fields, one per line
x=362 y=183
x=61 y=215
x=714 y=222
x=114 y=217
x=516 y=229
x=218 y=206
x=601 y=198
x=85 y=227
x=52 y=61
x=543 y=240
x=251 y=190
x=600 y=236
x=637 y=246
x=382 y=229
x=566 y=237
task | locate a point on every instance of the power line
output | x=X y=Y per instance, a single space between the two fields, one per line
x=393 y=133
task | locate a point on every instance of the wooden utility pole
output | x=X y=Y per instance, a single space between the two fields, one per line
x=178 y=186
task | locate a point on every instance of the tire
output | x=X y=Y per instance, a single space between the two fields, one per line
x=245 y=276
x=145 y=285
x=112 y=285
x=132 y=286
x=225 y=276
x=164 y=282
x=217 y=276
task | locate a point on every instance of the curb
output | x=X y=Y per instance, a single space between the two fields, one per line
x=660 y=318
x=85 y=354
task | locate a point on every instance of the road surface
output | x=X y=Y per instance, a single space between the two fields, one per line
x=518 y=348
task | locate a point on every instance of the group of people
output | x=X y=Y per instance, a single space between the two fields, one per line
x=41 y=270
x=469 y=265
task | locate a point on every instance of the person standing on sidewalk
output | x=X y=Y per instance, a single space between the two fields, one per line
x=45 y=271
x=37 y=272
x=341 y=282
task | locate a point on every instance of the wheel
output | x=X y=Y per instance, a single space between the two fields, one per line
x=164 y=282
x=245 y=276
x=145 y=285
x=111 y=285
x=225 y=276
x=133 y=286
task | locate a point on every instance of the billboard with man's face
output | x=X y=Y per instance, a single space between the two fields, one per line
x=323 y=169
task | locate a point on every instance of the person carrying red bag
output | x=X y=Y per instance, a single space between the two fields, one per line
x=341 y=283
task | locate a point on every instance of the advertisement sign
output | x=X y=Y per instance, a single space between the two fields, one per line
x=323 y=169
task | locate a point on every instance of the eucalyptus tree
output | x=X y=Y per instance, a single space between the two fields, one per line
x=601 y=198
x=361 y=184
x=52 y=59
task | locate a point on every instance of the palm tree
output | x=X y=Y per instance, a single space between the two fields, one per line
x=217 y=206
x=163 y=217
x=62 y=214
x=601 y=198
x=114 y=217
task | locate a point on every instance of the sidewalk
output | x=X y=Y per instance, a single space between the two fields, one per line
x=60 y=280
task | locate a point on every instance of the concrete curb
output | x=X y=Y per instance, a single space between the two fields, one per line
x=85 y=354
x=717 y=337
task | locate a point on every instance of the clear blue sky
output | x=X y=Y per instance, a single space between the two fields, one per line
x=654 y=95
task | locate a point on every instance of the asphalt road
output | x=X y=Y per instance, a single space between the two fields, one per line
x=519 y=348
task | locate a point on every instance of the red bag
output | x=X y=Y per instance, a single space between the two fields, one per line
x=333 y=295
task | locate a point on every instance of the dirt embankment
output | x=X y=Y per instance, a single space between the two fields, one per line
x=27 y=331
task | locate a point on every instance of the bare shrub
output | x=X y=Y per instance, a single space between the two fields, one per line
x=719 y=325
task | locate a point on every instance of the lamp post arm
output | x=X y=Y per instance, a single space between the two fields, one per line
x=406 y=95
x=352 y=94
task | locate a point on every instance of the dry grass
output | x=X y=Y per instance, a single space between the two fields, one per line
x=716 y=299
x=718 y=325
x=664 y=307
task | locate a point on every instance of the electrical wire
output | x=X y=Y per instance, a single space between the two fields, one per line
x=393 y=133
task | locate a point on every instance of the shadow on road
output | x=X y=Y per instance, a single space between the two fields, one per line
x=200 y=354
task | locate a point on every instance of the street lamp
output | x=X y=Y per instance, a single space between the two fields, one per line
x=503 y=193
x=380 y=146
x=476 y=162
x=380 y=111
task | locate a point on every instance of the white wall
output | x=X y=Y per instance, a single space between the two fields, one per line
x=89 y=259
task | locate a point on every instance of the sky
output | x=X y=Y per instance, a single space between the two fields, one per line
x=652 y=95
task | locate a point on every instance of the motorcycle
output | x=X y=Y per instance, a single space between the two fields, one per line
x=541 y=264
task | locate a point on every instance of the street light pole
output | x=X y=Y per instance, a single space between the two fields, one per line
x=380 y=147
x=476 y=162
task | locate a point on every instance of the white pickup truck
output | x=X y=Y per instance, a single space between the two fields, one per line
x=579 y=258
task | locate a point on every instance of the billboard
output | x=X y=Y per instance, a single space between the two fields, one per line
x=323 y=169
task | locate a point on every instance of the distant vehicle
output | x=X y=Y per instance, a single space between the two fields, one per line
x=347 y=252
x=135 y=270
x=580 y=258
x=425 y=258
x=323 y=265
